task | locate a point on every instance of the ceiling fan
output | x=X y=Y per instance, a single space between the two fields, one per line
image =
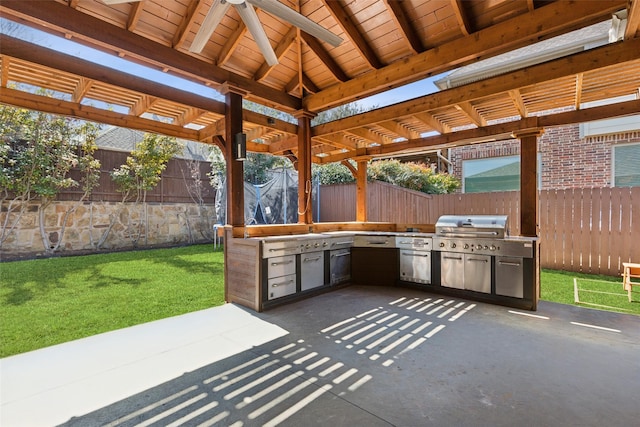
x=248 y=14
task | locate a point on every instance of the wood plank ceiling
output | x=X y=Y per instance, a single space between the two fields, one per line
x=386 y=43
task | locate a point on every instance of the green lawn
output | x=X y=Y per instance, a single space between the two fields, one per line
x=599 y=292
x=49 y=301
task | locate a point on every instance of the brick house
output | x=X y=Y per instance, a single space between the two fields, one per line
x=597 y=154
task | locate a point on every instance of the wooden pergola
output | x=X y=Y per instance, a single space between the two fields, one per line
x=386 y=44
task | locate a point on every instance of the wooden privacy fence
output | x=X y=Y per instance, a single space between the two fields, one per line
x=591 y=230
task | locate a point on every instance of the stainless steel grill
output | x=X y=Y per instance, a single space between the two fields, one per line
x=469 y=245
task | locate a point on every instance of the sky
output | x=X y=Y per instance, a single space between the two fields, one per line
x=70 y=47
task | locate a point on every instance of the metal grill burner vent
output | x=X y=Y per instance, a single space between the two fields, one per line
x=494 y=226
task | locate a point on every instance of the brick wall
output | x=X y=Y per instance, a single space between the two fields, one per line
x=568 y=161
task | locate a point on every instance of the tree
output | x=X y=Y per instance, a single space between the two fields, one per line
x=414 y=176
x=38 y=152
x=140 y=174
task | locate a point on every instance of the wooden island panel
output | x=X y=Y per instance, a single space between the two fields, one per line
x=242 y=271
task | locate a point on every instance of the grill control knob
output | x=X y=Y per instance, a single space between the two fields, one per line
x=466 y=246
x=492 y=247
x=442 y=244
x=486 y=247
x=453 y=245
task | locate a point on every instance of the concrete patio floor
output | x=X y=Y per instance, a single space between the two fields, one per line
x=357 y=356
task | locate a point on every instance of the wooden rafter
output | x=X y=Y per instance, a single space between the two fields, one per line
x=81 y=89
x=193 y=10
x=136 y=10
x=543 y=22
x=232 y=43
x=208 y=133
x=468 y=110
x=189 y=116
x=461 y=17
x=102 y=33
x=370 y=135
x=143 y=105
x=593 y=59
x=432 y=122
x=633 y=20
x=398 y=14
x=281 y=49
x=516 y=98
x=579 y=78
x=73 y=109
x=359 y=42
x=398 y=129
x=318 y=49
x=4 y=73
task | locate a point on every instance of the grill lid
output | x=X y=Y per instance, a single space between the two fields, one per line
x=472 y=226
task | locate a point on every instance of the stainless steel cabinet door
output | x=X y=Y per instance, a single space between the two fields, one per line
x=452 y=270
x=477 y=273
x=311 y=270
x=509 y=276
x=415 y=266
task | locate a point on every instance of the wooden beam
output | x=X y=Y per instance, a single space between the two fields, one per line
x=189 y=116
x=134 y=16
x=504 y=130
x=232 y=42
x=633 y=20
x=579 y=78
x=433 y=122
x=339 y=140
x=358 y=41
x=468 y=110
x=81 y=89
x=370 y=135
x=516 y=98
x=270 y=122
x=70 y=64
x=593 y=59
x=4 y=74
x=542 y=23
x=403 y=23
x=193 y=10
x=309 y=85
x=461 y=17
x=499 y=131
x=215 y=129
x=318 y=49
x=144 y=103
x=398 y=129
x=46 y=104
x=283 y=47
x=104 y=35
x=347 y=164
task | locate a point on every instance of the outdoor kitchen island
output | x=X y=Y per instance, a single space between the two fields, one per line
x=264 y=269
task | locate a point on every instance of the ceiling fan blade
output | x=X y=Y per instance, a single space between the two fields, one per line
x=278 y=9
x=250 y=18
x=119 y=1
x=214 y=16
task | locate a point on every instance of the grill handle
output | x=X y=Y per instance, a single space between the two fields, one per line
x=469 y=234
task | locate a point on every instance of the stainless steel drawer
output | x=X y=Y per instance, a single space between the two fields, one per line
x=369 y=241
x=281 y=286
x=281 y=266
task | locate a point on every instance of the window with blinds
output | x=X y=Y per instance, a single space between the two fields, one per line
x=626 y=165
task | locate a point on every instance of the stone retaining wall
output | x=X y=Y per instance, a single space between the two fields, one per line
x=167 y=224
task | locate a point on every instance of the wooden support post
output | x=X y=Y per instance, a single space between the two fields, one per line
x=361 y=189
x=528 y=181
x=305 y=187
x=235 y=168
